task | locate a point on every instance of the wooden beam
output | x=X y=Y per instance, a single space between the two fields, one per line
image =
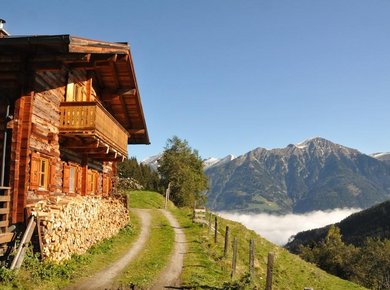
x=136 y=131
x=73 y=144
x=65 y=58
x=6 y=76
x=115 y=75
x=10 y=67
x=92 y=150
x=123 y=58
x=10 y=58
x=104 y=58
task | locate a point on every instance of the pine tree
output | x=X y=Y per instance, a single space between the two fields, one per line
x=145 y=176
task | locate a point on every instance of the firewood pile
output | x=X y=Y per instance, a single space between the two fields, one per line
x=71 y=225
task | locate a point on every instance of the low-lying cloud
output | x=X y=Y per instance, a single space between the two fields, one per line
x=279 y=228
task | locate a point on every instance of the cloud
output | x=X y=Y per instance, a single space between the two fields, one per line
x=279 y=228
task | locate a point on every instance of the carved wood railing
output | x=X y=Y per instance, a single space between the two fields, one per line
x=90 y=118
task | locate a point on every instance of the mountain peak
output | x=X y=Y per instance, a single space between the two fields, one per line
x=314 y=140
x=212 y=161
x=325 y=145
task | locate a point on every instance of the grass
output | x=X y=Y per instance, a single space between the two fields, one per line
x=144 y=270
x=147 y=199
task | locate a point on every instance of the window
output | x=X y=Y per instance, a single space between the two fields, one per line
x=72 y=179
x=79 y=91
x=74 y=92
x=43 y=173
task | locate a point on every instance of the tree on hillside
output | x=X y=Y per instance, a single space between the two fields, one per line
x=331 y=254
x=145 y=176
x=182 y=167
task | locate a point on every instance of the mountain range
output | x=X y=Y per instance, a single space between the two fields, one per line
x=316 y=174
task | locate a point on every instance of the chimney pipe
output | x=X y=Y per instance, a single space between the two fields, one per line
x=3 y=32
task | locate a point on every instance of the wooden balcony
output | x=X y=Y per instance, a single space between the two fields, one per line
x=92 y=125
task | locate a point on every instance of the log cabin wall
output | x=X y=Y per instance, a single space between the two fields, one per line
x=52 y=88
x=50 y=92
x=19 y=169
x=5 y=121
x=3 y=108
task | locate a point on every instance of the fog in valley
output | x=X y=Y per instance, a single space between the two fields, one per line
x=279 y=228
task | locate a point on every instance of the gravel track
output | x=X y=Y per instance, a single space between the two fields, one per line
x=104 y=279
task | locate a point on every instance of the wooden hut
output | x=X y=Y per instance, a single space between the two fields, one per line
x=69 y=107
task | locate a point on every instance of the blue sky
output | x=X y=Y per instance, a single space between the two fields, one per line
x=230 y=76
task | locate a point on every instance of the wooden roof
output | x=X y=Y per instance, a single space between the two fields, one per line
x=110 y=62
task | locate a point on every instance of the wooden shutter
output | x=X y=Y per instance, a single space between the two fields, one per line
x=109 y=181
x=53 y=172
x=79 y=181
x=34 y=171
x=89 y=182
x=65 y=181
x=97 y=183
x=105 y=185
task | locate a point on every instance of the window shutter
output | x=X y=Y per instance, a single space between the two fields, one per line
x=109 y=180
x=34 y=171
x=105 y=185
x=52 y=174
x=97 y=183
x=65 y=182
x=79 y=182
x=89 y=182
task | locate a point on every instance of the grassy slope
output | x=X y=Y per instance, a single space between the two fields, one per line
x=205 y=265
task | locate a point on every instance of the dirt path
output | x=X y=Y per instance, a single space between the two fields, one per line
x=104 y=279
x=171 y=274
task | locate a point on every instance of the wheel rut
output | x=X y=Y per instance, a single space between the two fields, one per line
x=105 y=278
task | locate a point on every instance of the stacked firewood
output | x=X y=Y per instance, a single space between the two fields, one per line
x=71 y=225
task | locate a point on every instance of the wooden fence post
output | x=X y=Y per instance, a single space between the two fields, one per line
x=167 y=193
x=210 y=216
x=194 y=212
x=270 y=266
x=234 y=260
x=215 y=229
x=225 y=248
x=251 y=256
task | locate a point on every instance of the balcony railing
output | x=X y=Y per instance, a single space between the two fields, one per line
x=91 y=119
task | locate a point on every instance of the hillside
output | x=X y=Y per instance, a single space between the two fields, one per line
x=355 y=229
x=313 y=175
x=206 y=268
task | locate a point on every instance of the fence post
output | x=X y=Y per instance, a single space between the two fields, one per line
x=167 y=193
x=270 y=266
x=210 y=216
x=234 y=260
x=215 y=229
x=251 y=256
x=225 y=248
x=194 y=212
